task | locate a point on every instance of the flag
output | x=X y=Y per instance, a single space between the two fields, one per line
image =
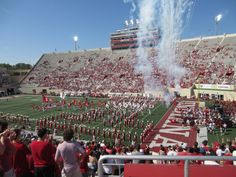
x=44 y=99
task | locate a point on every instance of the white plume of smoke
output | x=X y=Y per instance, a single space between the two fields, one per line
x=169 y=16
x=133 y=9
x=172 y=15
x=144 y=66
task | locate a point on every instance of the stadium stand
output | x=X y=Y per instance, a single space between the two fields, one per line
x=4 y=77
x=5 y=81
x=208 y=60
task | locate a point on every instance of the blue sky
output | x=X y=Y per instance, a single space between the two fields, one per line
x=29 y=28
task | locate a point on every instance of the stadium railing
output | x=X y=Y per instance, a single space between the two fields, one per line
x=185 y=167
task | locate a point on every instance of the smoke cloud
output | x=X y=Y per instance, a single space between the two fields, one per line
x=168 y=16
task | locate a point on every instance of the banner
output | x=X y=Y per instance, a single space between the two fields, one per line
x=215 y=86
x=224 y=87
x=205 y=86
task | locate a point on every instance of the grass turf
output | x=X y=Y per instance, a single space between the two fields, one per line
x=22 y=104
x=229 y=135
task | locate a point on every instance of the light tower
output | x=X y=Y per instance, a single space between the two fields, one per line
x=126 y=23
x=131 y=22
x=217 y=21
x=75 y=38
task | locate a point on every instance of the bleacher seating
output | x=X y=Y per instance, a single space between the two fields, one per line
x=4 y=77
x=207 y=60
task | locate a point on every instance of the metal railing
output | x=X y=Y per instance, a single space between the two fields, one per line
x=157 y=157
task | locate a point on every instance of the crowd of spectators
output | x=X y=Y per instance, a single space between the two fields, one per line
x=24 y=155
x=104 y=71
x=219 y=117
x=216 y=149
x=210 y=60
x=94 y=73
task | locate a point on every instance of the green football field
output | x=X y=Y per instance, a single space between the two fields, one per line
x=22 y=104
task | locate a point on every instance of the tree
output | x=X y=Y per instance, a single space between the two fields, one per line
x=17 y=66
x=5 y=65
x=23 y=66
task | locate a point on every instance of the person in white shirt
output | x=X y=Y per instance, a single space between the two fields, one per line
x=234 y=155
x=171 y=152
x=221 y=150
x=68 y=151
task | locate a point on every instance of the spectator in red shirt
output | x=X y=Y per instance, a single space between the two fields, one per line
x=182 y=152
x=84 y=165
x=20 y=159
x=30 y=163
x=2 y=149
x=229 y=153
x=42 y=151
x=7 y=150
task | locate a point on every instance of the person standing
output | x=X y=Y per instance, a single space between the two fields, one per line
x=20 y=157
x=7 y=150
x=93 y=163
x=68 y=151
x=42 y=153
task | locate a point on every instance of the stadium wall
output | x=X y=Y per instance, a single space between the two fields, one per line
x=28 y=73
x=28 y=89
x=184 y=92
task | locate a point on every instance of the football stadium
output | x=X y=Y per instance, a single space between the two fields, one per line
x=149 y=104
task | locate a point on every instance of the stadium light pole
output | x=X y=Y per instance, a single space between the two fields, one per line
x=217 y=21
x=75 y=38
x=126 y=23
